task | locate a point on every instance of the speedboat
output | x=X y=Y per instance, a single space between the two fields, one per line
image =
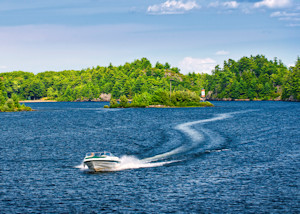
x=101 y=161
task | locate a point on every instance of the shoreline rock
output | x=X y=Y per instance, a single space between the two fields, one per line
x=102 y=98
x=37 y=101
x=157 y=106
x=230 y=99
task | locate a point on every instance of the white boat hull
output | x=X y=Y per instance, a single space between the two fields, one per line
x=101 y=165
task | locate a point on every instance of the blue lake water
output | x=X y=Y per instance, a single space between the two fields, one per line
x=239 y=157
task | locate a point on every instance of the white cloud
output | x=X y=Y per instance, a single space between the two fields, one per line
x=293 y=25
x=214 y=4
x=231 y=4
x=273 y=3
x=3 y=67
x=172 y=7
x=295 y=19
x=286 y=16
x=227 y=4
x=222 y=52
x=189 y=64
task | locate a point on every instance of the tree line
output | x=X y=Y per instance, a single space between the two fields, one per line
x=161 y=98
x=253 y=77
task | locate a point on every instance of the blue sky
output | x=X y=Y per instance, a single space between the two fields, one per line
x=194 y=35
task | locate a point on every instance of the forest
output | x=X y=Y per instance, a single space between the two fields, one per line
x=253 y=78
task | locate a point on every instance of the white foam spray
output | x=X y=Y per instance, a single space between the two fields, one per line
x=164 y=155
x=81 y=166
x=195 y=135
x=131 y=162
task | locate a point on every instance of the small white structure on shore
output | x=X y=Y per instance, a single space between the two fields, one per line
x=203 y=94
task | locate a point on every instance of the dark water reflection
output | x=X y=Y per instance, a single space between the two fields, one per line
x=247 y=161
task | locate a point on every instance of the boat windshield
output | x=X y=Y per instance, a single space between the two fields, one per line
x=98 y=154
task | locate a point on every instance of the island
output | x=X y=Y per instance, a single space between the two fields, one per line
x=160 y=99
x=12 y=104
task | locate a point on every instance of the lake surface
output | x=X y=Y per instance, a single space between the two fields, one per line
x=239 y=157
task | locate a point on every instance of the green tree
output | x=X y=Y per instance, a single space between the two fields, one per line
x=2 y=100
x=113 y=103
x=10 y=104
x=144 y=99
x=161 y=97
x=235 y=90
x=15 y=98
x=123 y=101
x=37 y=89
x=68 y=95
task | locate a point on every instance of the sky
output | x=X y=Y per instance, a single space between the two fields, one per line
x=193 y=35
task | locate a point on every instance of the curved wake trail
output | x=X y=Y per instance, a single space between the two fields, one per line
x=197 y=137
x=194 y=134
x=164 y=155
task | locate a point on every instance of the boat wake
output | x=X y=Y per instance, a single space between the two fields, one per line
x=197 y=137
x=131 y=162
x=194 y=134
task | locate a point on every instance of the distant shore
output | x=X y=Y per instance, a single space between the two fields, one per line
x=159 y=106
x=237 y=100
x=37 y=101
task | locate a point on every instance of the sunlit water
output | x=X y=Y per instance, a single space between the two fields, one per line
x=237 y=157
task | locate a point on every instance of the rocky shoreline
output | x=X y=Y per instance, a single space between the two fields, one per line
x=107 y=97
x=231 y=99
x=210 y=97
x=37 y=101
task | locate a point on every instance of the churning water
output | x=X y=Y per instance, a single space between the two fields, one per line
x=236 y=157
